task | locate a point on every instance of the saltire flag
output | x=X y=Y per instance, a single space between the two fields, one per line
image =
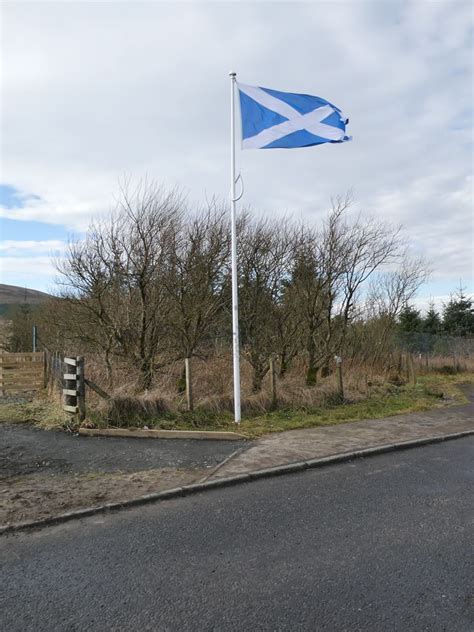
x=272 y=119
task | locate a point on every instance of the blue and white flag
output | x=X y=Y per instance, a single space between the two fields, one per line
x=273 y=119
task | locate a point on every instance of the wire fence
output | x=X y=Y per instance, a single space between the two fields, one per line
x=438 y=351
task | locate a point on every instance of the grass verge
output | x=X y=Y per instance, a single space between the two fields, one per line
x=40 y=412
x=431 y=391
x=427 y=394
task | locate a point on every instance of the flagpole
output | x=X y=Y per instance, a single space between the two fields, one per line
x=235 y=301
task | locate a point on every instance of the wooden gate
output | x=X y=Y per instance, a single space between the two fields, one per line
x=21 y=372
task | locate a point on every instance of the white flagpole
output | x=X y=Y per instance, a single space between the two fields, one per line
x=235 y=301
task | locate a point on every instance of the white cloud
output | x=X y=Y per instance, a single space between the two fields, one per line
x=34 y=272
x=30 y=263
x=95 y=90
x=13 y=247
x=423 y=303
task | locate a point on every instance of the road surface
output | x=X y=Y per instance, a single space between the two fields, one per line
x=381 y=544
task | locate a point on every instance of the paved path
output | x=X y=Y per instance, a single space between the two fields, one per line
x=377 y=545
x=300 y=445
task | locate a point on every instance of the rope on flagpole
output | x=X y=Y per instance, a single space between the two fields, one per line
x=239 y=177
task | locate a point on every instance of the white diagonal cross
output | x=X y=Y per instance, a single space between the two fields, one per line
x=296 y=121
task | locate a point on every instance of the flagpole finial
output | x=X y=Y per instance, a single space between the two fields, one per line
x=232 y=74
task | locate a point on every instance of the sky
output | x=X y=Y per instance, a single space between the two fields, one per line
x=95 y=91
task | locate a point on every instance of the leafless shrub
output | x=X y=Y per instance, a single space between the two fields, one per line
x=129 y=410
x=150 y=285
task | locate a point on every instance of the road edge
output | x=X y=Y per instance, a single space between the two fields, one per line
x=193 y=488
x=140 y=433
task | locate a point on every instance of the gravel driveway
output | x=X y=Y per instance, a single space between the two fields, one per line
x=25 y=449
x=45 y=472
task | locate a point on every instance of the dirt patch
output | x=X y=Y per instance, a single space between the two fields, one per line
x=16 y=461
x=45 y=473
x=35 y=496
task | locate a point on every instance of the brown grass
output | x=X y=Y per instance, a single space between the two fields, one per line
x=165 y=403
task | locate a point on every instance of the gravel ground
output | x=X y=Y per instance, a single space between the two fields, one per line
x=26 y=449
x=46 y=472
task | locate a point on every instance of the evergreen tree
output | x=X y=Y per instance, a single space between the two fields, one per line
x=432 y=322
x=409 y=320
x=21 y=325
x=458 y=315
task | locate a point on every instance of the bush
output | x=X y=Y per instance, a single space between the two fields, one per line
x=447 y=369
x=129 y=411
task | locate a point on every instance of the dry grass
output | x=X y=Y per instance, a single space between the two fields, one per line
x=129 y=411
x=366 y=395
x=298 y=406
x=41 y=412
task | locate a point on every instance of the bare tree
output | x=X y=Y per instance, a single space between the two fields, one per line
x=387 y=295
x=355 y=252
x=151 y=284
x=331 y=269
x=196 y=284
x=265 y=249
x=115 y=276
x=307 y=293
x=288 y=323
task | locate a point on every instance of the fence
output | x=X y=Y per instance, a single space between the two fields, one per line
x=53 y=380
x=434 y=351
x=74 y=387
x=21 y=373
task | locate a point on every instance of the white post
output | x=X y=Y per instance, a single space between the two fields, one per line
x=35 y=333
x=235 y=301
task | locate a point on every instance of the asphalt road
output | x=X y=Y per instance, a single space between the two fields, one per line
x=377 y=545
x=25 y=449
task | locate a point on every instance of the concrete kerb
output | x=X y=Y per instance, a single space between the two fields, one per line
x=194 y=488
x=140 y=433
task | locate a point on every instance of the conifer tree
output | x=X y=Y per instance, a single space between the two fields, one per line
x=458 y=315
x=432 y=322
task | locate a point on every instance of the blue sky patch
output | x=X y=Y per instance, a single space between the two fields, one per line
x=13 y=229
x=10 y=197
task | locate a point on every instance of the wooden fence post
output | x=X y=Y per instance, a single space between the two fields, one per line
x=411 y=369
x=189 y=384
x=400 y=363
x=55 y=377
x=70 y=385
x=273 y=388
x=81 y=388
x=45 y=369
x=340 y=384
x=368 y=385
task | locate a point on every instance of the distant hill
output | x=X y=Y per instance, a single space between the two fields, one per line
x=13 y=294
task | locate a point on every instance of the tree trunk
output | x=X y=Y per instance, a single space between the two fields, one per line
x=284 y=365
x=182 y=382
x=108 y=368
x=146 y=376
x=325 y=370
x=273 y=387
x=259 y=372
x=312 y=371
